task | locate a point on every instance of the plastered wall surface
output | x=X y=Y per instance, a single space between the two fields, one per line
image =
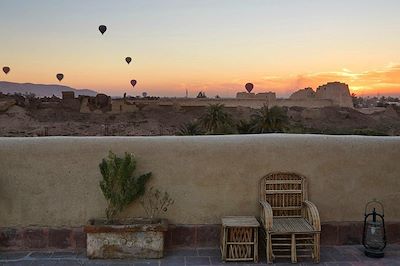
x=54 y=181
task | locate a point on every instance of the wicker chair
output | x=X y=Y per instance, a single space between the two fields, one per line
x=290 y=222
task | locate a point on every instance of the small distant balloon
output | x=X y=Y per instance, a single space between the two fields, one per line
x=6 y=69
x=128 y=60
x=144 y=94
x=133 y=82
x=249 y=87
x=102 y=29
x=60 y=76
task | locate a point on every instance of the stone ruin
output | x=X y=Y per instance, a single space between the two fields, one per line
x=100 y=102
x=337 y=92
x=269 y=96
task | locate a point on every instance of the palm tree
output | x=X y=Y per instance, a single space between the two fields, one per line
x=190 y=129
x=269 y=120
x=216 y=120
x=244 y=127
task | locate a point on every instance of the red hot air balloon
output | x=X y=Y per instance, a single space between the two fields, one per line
x=6 y=69
x=128 y=60
x=249 y=87
x=133 y=82
x=60 y=76
x=102 y=29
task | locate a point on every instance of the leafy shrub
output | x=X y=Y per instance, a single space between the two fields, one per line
x=119 y=185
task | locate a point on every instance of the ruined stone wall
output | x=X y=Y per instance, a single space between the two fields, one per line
x=54 y=181
x=303 y=94
x=338 y=92
x=270 y=96
x=254 y=101
x=71 y=103
x=122 y=106
x=307 y=103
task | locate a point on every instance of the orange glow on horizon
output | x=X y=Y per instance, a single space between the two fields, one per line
x=384 y=81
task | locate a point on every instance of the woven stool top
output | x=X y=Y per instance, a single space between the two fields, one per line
x=240 y=221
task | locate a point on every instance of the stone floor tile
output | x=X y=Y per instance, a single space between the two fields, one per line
x=198 y=260
x=173 y=260
x=215 y=252
x=65 y=262
x=64 y=254
x=13 y=255
x=332 y=256
x=182 y=252
x=391 y=262
x=341 y=257
x=216 y=260
x=147 y=263
x=115 y=262
x=336 y=264
x=366 y=263
x=81 y=255
x=41 y=262
x=41 y=254
x=18 y=263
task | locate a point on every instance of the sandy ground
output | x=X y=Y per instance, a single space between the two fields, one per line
x=19 y=121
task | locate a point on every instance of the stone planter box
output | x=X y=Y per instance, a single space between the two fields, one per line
x=123 y=239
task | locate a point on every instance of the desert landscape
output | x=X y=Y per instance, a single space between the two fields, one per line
x=25 y=115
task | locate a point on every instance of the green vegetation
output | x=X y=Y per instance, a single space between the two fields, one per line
x=276 y=119
x=119 y=185
x=269 y=120
x=190 y=129
x=216 y=120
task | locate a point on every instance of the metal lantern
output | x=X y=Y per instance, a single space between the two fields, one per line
x=374 y=235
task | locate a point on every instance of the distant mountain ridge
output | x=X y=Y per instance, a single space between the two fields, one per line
x=41 y=90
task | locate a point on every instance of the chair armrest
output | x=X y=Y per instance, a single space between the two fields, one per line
x=311 y=214
x=266 y=215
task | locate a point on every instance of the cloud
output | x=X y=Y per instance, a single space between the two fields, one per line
x=384 y=81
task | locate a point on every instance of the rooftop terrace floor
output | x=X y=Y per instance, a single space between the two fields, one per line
x=330 y=255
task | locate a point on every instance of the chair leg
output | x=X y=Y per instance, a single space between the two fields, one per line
x=268 y=247
x=316 y=252
x=255 y=244
x=293 y=249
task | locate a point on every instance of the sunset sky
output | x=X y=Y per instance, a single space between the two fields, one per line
x=211 y=45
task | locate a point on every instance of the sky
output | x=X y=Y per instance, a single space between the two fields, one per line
x=212 y=45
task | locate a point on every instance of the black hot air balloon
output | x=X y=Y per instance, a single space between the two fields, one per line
x=60 y=76
x=128 y=60
x=249 y=87
x=6 y=69
x=133 y=82
x=102 y=29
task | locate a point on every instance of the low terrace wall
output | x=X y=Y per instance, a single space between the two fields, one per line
x=53 y=182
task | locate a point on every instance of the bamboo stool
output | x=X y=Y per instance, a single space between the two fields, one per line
x=239 y=238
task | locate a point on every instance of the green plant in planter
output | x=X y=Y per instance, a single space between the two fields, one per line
x=119 y=185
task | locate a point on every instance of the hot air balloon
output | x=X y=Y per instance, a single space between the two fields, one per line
x=6 y=69
x=128 y=60
x=133 y=82
x=102 y=29
x=249 y=87
x=60 y=76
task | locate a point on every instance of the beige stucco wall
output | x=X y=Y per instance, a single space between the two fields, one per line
x=54 y=181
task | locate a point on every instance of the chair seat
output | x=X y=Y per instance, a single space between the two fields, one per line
x=291 y=226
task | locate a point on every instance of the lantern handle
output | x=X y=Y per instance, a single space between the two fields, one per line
x=376 y=202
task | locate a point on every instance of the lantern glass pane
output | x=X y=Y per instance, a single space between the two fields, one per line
x=374 y=237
